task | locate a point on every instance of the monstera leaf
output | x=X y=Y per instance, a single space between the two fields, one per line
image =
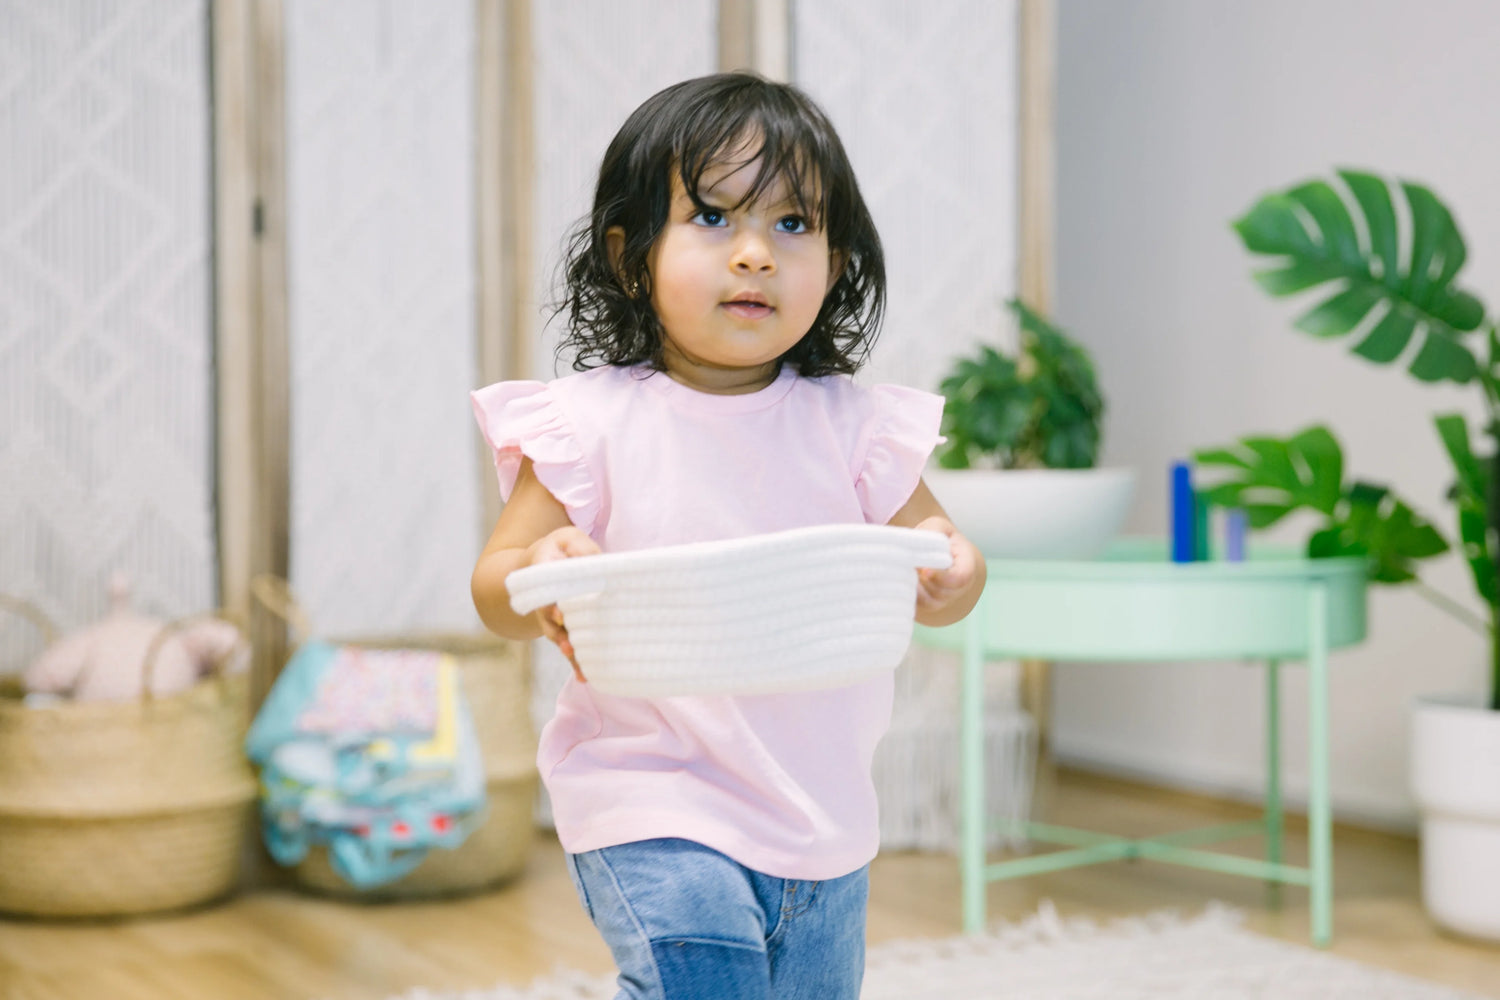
x=1470 y=495
x=1270 y=478
x=1373 y=522
x=1392 y=282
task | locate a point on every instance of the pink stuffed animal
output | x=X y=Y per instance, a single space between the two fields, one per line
x=106 y=661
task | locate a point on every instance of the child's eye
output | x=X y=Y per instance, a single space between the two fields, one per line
x=791 y=224
x=709 y=217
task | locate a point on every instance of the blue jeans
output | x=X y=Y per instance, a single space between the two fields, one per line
x=687 y=923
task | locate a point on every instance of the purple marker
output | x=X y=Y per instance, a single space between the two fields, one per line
x=1234 y=535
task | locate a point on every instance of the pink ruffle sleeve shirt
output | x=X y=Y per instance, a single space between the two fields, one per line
x=780 y=783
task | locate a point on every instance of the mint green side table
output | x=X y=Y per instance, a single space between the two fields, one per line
x=1134 y=604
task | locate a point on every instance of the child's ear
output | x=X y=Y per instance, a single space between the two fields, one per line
x=837 y=261
x=614 y=245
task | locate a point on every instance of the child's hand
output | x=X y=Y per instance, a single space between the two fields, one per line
x=937 y=588
x=564 y=543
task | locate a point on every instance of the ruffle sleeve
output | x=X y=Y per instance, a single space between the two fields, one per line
x=524 y=419
x=903 y=432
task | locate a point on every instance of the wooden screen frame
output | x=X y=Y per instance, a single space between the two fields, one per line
x=252 y=366
x=1036 y=185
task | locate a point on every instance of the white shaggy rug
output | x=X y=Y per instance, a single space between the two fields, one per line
x=1161 y=957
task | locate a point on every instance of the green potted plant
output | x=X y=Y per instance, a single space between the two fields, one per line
x=1392 y=288
x=1017 y=471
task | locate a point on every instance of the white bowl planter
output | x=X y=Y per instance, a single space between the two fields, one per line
x=1036 y=513
x=1455 y=775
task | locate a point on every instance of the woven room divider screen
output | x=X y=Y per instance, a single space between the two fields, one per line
x=383 y=132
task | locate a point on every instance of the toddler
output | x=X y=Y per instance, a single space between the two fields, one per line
x=724 y=288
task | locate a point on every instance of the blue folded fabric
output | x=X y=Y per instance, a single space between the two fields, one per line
x=371 y=753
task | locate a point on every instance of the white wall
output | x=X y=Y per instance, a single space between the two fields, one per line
x=1173 y=117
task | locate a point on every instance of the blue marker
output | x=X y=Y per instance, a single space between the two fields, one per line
x=1184 y=514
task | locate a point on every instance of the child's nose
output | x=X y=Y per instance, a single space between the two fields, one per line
x=752 y=255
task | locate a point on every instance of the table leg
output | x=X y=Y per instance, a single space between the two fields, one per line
x=971 y=766
x=1319 y=808
x=1273 y=815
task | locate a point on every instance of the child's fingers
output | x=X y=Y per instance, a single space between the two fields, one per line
x=556 y=632
x=567 y=650
x=955 y=577
x=937 y=587
x=577 y=543
x=564 y=543
x=553 y=629
x=933 y=596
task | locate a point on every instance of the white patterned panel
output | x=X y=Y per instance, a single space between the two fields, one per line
x=924 y=97
x=595 y=61
x=380 y=152
x=106 y=412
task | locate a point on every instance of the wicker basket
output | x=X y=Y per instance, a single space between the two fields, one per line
x=496 y=680
x=119 y=808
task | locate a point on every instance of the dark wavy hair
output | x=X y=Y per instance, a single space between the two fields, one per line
x=690 y=127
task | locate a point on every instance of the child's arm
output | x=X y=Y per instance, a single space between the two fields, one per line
x=533 y=528
x=943 y=596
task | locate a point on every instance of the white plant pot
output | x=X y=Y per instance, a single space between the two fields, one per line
x=1036 y=513
x=1455 y=774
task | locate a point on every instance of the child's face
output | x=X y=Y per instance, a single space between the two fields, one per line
x=735 y=288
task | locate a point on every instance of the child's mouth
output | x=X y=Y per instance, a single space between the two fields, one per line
x=747 y=308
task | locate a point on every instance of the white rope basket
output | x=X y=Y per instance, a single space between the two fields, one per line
x=794 y=610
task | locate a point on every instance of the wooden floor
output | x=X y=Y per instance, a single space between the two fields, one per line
x=279 y=945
